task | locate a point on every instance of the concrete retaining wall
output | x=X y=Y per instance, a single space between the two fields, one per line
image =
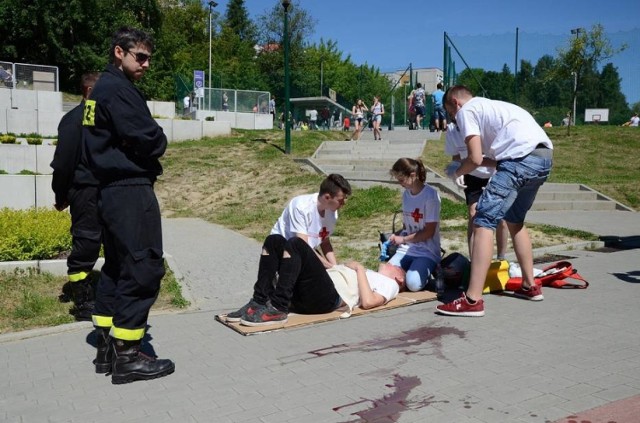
x=162 y=109
x=183 y=130
x=15 y=158
x=26 y=191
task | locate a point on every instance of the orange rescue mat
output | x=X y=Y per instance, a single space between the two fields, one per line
x=554 y=276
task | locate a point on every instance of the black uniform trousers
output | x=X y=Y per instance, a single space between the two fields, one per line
x=130 y=278
x=86 y=231
x=303 y=283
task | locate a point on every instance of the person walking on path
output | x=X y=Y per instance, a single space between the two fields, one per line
x=513 y=142
x=439 y=115
x=358 y=112
x=122 y=144
x=272 y=108
x=75 y=187
x=417 y=100
x=378 y=110
x=291 y=252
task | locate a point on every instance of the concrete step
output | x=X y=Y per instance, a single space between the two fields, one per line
x=594 y=205
x=369 y=161
x=364 y=175
x=546 y=195
x=365 y=164
x=558 y=187
x=364 y=150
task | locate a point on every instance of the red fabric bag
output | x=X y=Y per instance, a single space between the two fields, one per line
x=554 y=276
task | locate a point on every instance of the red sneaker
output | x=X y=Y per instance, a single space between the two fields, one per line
x=533 y=294
x=462 y=307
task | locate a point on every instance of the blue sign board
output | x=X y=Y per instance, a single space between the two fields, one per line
x=198 y=83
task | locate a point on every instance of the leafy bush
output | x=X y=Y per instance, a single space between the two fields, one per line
x=210 y=118
x=34 y=141
x=34 y=234
x=7 y=139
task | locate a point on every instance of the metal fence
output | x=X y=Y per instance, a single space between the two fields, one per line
x=493 y=51
x=24 y=76
x=220 y=99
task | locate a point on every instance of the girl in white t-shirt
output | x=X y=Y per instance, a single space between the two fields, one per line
x=358 y=112
x=377 y=110
x=419 y=241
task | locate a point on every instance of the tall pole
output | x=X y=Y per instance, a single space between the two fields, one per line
x=575 y=96
x=515 y=74
x=445 y=63
x=287 y=105
x=321 y=75
x=575 y=31
x=212 y=4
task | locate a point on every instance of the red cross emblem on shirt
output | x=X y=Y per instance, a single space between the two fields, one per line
x=417 y=215
x=324 y=233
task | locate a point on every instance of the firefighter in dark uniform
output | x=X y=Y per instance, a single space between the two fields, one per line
x=75 y=187
x=122 y=145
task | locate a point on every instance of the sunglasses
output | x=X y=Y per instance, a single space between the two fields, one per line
x=140 y=57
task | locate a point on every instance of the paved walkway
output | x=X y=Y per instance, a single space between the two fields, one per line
x=522 y=362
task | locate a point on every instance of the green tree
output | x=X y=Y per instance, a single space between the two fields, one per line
x=235 y=50
x=237 y=20
x=472 y=79
x=611 y=97
x=524 y=80
x=181 y=46
x=271 y=53
x=73 y=34
x=499 y=85
x=581 y=57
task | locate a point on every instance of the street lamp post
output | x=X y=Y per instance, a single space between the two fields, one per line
x=321 y=75
x=575 y=95
x=287 y=105
x=576 y=32
x=212 y=4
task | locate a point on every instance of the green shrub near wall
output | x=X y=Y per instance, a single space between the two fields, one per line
x=35 y=234
x=7 y=139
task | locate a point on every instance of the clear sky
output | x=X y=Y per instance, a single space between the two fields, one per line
x=390 y=34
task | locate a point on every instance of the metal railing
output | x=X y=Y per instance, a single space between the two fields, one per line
x=23 y=76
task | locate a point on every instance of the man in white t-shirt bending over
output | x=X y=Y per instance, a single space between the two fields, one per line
x=506 y=136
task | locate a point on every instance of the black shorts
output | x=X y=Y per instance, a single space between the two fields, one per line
x=474 y=188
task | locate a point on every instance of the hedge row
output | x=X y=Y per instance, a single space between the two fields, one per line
x=35 y=234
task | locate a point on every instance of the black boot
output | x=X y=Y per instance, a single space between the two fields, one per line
x=82 y=294
x=104 y=353
x=129 y=364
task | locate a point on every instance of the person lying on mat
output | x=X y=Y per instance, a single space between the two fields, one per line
x=306 y=287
